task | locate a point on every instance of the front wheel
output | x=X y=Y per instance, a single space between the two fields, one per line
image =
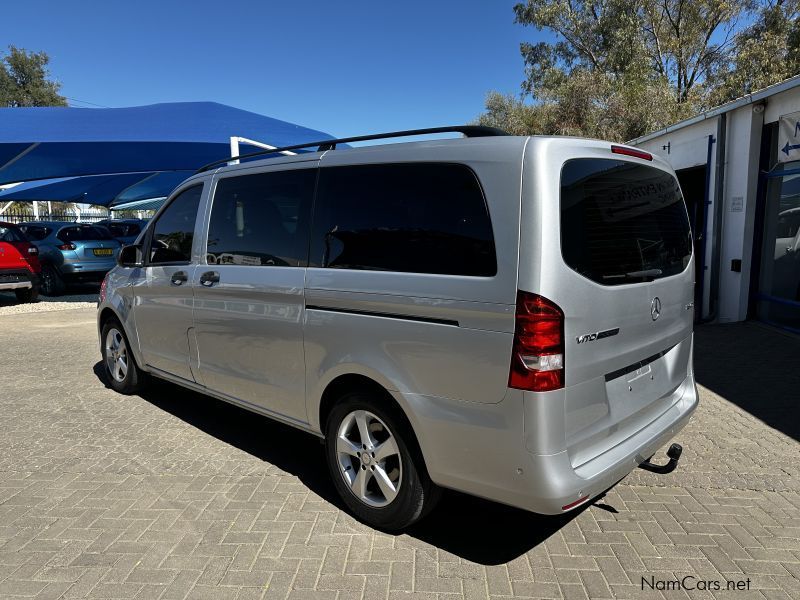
x=375 y=470
x=123 y=374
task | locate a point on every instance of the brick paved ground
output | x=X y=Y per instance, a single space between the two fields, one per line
x=175 y=495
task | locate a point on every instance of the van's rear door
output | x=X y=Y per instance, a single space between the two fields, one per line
x=625 y=283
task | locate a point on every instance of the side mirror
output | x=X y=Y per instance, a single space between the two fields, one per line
x=131 y=256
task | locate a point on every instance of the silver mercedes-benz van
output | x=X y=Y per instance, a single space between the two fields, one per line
x=506 y=316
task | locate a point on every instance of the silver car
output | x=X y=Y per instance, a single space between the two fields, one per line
x=506 y=316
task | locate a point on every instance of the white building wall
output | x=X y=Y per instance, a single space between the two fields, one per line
x=742 y=150
x=782 y=104
x=688 y=146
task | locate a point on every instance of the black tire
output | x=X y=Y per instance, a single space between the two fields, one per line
x=416 y=494
x=27 y=295
x=52 y=284
x=134 y=380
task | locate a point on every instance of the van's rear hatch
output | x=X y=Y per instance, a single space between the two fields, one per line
x=626 y=294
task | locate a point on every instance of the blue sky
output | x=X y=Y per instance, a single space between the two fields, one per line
x=343 y=67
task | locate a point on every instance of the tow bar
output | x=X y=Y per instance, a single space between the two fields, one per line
x=674 y=454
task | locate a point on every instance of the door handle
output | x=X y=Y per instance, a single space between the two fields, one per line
x=209 y=278
x=178 y=277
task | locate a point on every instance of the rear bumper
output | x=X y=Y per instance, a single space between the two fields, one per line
x=18 y=280
x=558 y=484
x=92 y=271
x=480 y=449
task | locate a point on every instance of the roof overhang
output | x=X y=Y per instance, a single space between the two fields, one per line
x=753 y=98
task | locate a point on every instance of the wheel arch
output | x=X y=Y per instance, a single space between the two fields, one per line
x=353 y=382
x=107 y=313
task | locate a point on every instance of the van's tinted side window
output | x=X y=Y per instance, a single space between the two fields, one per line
x=413 y=218
x=622 y=222
x=173 y=232
x=262 y=219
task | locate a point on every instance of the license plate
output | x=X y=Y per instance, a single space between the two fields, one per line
x=103 y=251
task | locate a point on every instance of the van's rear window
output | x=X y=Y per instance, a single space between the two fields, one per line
x=622 y=222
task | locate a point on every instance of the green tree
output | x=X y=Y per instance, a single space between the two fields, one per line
x=617 y=68
x=687 y=40
x=765 y=53
x=24 y=80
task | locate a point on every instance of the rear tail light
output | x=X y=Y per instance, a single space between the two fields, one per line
x=67 y=246
x=631 y=152
x=537 y=359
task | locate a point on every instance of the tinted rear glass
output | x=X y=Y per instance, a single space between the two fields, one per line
x=413 y=218
x=622 y=222
x=7 y=234
x=35 y=232
x=83 y=233
x=123 y=229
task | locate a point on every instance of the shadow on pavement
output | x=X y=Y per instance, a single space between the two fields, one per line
x=471 y=528
x=486 y=532
x=755 y=367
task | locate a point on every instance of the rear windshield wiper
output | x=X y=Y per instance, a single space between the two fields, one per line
x=644 y=274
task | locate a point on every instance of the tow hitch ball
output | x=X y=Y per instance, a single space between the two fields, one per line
x=674 y=454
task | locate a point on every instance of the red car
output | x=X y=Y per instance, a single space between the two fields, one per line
x=19 y=263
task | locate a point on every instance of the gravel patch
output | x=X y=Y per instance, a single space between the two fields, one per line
x=81 y=298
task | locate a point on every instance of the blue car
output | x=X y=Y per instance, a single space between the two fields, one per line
x=71 y=252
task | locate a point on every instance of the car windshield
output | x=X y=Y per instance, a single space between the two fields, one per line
x=83 y=233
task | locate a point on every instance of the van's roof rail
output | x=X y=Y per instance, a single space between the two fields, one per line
x=466 y=130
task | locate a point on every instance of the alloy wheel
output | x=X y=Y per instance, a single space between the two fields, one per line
x=116 y=355
x=369 y=458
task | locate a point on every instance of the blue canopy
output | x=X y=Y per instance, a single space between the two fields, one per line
x=57 y=142
x=104 y=190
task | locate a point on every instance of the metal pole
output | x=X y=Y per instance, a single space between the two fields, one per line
x=234 y=149
x=236 y=140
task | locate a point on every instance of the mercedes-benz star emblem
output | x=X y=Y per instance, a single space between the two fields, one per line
x=655 y=308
